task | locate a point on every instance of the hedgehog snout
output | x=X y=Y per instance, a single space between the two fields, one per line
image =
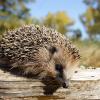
x=60 y=77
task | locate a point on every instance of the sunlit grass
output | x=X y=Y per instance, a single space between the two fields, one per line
x=90 y=52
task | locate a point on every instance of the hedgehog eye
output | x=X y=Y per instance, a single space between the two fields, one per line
x=53 y=50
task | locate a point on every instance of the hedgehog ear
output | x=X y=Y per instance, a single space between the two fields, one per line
x=53 y=50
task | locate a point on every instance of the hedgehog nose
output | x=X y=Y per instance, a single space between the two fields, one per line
x=65 y=84
x=61 y=77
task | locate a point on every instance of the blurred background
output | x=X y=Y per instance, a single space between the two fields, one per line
x=77 y=19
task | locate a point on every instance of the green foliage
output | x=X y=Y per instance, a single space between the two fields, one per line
x=91 y=18
x=14 y=7
x=77 y=34
x=59 y=21
x=14 y=13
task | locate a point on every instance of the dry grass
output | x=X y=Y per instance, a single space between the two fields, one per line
x=90 y=53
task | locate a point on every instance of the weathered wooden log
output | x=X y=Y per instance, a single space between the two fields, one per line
x=85 y=84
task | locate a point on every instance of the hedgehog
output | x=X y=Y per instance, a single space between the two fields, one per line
x=40 y=52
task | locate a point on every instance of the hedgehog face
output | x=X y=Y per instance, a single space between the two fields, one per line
x=53 y=62
x=57 y=64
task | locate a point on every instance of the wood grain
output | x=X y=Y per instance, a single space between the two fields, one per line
x=13 y=87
